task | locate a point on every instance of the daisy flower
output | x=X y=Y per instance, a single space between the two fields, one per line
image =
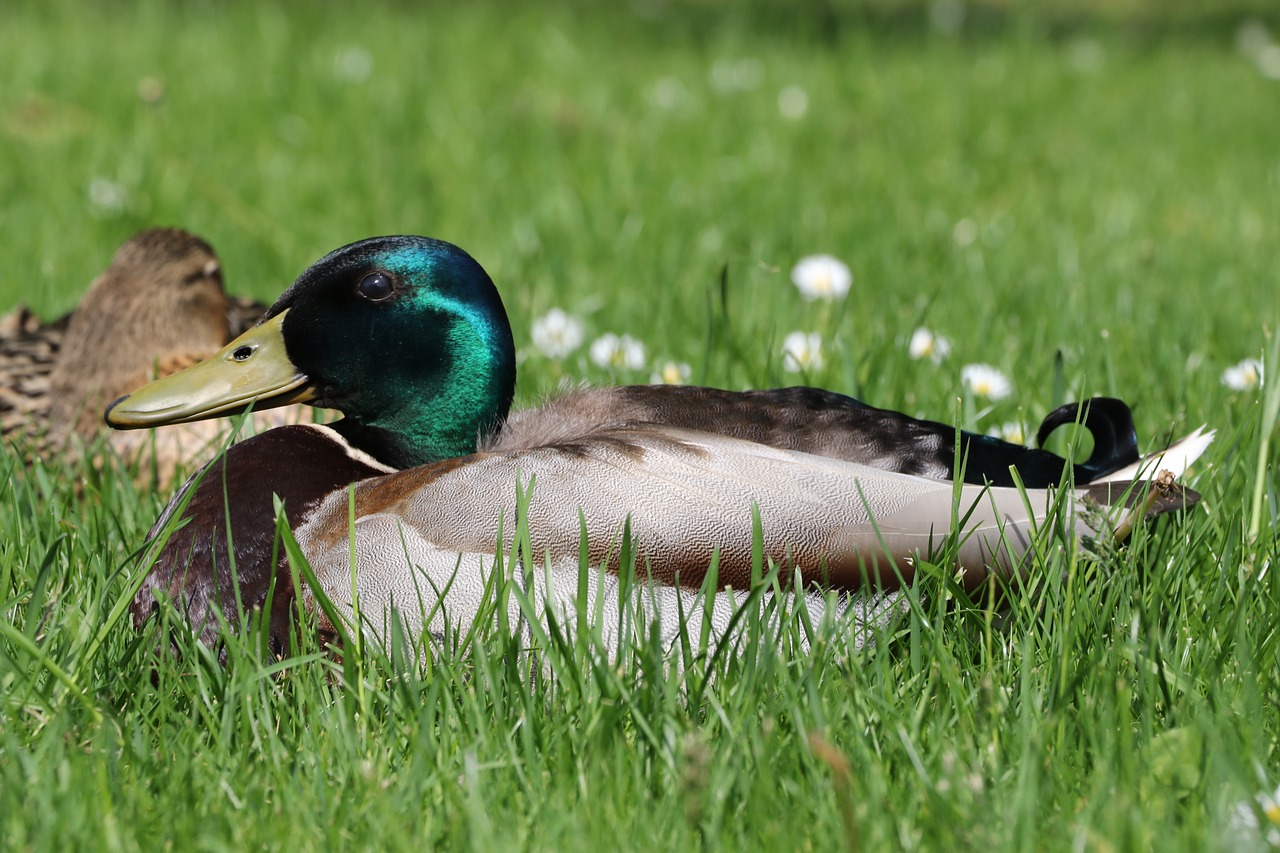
x=671 y=373
x=613 y=352
x=964 y=232
x=1244 y=820
x=947 y=16
x=354 y=64
x=802 y=351
x=1244 y=376
x=107 y=198
x=668 y=93
x=1268 y=62
x=925 y=344
x=1252 y=37
x=793 y=103
x=556 y=334
x=822 y=277
x=151 y=90
x=730 y=75
x=986 y=381
x=1011 y=432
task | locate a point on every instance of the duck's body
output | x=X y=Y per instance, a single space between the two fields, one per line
x=811 y=420
x=158 y=308
x=685 y=499
x=408 y=338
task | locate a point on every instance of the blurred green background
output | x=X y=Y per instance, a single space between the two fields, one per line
x=1084 y=194
x=1025 y=177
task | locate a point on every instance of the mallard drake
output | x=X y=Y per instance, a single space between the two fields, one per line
x=157 y=308
x=408 y=338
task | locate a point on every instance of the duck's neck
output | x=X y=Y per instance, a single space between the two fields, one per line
x=460 y=392
x=441 y=433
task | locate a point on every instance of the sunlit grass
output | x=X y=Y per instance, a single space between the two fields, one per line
x=1087 y=205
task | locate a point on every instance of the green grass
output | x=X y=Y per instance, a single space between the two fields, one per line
x=1119 y=172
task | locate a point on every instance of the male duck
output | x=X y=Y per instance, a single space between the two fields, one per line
x=159 y=307
x=408 y=338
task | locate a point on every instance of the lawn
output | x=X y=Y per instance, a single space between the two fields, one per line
x=1085 y=196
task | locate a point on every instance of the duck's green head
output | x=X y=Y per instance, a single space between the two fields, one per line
x=406 y=336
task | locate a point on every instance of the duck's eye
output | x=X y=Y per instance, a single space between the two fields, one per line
x=210 y=270
x=375 y=287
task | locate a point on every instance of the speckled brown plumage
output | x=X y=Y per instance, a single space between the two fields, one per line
x=28 y=352
x=157 y=308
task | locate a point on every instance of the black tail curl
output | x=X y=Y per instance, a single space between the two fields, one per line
x=1109 y=422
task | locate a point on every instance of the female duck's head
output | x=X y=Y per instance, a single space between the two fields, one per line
x=406 y=336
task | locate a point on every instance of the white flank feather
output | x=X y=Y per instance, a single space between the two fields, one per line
x=1176 y=458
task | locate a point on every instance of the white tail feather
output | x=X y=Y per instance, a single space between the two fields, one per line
x=1175 y=458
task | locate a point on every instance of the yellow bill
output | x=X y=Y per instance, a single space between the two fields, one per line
x=253 y=369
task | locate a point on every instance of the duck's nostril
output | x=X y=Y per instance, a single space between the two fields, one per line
x=242 y=353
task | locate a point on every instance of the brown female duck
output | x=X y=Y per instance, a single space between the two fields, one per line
x=157 y=308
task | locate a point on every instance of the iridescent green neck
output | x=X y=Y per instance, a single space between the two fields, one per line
x=440 y=415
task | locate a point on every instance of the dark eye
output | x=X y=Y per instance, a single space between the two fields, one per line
x=375 y=286
x=210 y=270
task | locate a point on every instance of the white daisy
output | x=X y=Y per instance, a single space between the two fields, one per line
x=1268 y=61
x=106 y=197
x=793 y=103
x=671 y=373
x=925 y=344
x=947 y=16
x=1244 y=820
x=614 y=352
x=822 y=277
x=353 y=64
x=556 y=334
x=1086 y=55
x=964 y=232
x=802 y=351
x=1252 y=37
x=667 y=93
x=730 y=75
x=986 y=381
x=1244 y=376
x=1011 y=432
x=151 y=90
